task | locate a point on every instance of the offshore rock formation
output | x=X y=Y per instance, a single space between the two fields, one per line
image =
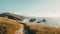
x=20 y=18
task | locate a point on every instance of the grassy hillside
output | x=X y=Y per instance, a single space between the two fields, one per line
x=9 y=26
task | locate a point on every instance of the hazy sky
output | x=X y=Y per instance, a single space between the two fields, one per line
x=38 y=8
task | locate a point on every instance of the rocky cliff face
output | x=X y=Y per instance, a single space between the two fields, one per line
x=43 y=21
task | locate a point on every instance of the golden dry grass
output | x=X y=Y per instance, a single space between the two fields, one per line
x=41 y=29
x=8 y=26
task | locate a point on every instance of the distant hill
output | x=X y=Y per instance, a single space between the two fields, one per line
x=12 y=16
